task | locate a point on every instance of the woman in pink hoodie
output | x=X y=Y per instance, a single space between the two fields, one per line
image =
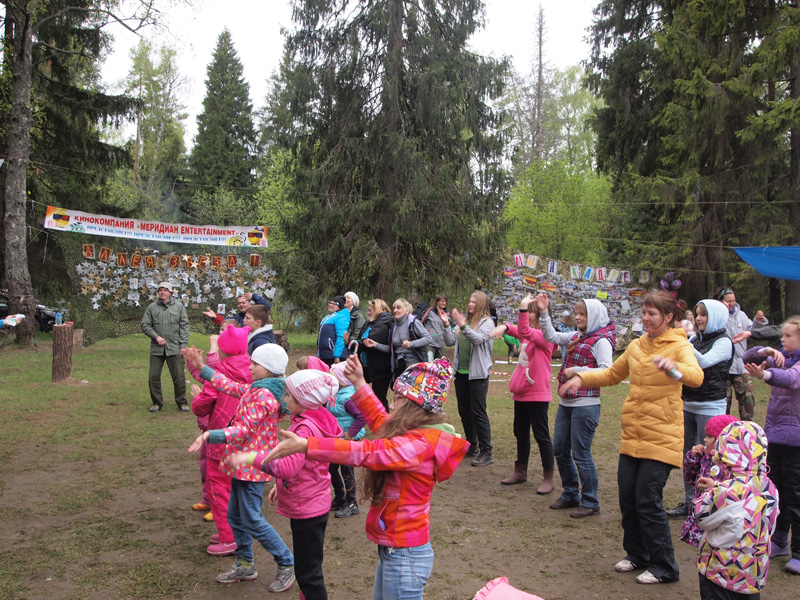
x=303 y=486
x=218 y=407
x=530 y=389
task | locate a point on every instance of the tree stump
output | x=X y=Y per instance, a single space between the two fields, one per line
x=62 y=352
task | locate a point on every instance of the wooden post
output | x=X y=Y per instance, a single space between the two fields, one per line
x=77 y=339
x=62 y=352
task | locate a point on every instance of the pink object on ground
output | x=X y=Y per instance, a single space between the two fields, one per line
x=499 y=589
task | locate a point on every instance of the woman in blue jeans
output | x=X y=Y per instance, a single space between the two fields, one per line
x=591 y=347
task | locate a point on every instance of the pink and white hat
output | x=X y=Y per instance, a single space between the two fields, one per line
x=311 y=388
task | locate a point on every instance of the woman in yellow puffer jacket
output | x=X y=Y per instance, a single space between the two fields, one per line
x=652 y=433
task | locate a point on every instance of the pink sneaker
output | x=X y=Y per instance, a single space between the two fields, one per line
x=214 y=538
x=221 y=549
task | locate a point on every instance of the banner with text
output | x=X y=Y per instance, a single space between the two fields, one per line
x=80 y=222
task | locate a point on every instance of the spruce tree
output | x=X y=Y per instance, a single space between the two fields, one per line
x=693 y=131
x=397 y=172
x=223 y=153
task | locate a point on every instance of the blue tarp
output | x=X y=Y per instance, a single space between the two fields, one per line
x=781 y=262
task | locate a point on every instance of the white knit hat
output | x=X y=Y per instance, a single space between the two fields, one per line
x=272 y=357
x=353 y=297
x=311 y=388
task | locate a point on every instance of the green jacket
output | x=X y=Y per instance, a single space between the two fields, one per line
x=168 y=321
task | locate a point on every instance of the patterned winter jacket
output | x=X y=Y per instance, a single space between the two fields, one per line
x=738 y=515
x=695 y=467
x=416 y=460
x=218 y=408
x=254 y=426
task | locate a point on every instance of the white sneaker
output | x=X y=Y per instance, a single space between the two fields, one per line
x=624 y=566
x=647 y=578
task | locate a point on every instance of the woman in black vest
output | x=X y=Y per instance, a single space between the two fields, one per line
x=714 y=352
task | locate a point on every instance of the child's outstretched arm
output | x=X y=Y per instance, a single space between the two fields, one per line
x=198 y=443
x=293 y=444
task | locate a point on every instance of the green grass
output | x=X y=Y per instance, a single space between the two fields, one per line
x=94 y=493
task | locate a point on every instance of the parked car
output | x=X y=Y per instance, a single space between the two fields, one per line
x=45 y=317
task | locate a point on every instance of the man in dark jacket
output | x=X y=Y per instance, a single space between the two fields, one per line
x=243 y=302
x=166 y=324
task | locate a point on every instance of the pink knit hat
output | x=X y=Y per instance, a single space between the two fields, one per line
x=233 y=341
x=715 y=425
x=317 y=364
x=337 y=371
x=311 y=388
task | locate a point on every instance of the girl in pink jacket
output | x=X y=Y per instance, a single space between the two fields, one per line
x=530 y=389
x=303 y=486
x=218 y=408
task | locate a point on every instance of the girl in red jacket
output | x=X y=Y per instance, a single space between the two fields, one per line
x=414 y=448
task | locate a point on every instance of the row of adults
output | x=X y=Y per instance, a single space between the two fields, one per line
x=389 y=340
x=654 y=437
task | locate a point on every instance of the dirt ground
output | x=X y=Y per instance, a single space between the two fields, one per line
x=129 y=531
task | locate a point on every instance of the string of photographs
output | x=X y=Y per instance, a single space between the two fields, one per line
x=566 y=284
x=112 y=278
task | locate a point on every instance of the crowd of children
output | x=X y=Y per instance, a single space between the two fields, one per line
x=744 y=479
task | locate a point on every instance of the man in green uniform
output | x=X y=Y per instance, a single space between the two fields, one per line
x=166 y=324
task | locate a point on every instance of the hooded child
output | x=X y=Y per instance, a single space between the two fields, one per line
x=737 y=516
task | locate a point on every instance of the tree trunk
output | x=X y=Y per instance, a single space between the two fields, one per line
x=62 y=352
x=793 y=287
x=392 y=94
x=538 y=143
x=18 y=278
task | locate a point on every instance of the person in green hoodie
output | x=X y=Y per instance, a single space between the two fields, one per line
x=166 y=324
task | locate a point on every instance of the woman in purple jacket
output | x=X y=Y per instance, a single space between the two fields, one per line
x=781 y=370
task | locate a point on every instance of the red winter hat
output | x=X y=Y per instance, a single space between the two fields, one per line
x=233 y=341
x=715 y=425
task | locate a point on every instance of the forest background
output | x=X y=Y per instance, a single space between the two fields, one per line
x=388 y=157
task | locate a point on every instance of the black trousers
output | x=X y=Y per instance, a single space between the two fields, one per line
x=308 y=539
x=533 y=415
x=784 y=471
x=471 y=395
x=381 y=388
x=646 y=536
x=176 y=367
x=344 y=485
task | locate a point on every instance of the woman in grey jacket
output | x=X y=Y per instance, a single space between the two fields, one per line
x=473 y=361
x=435 y=326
